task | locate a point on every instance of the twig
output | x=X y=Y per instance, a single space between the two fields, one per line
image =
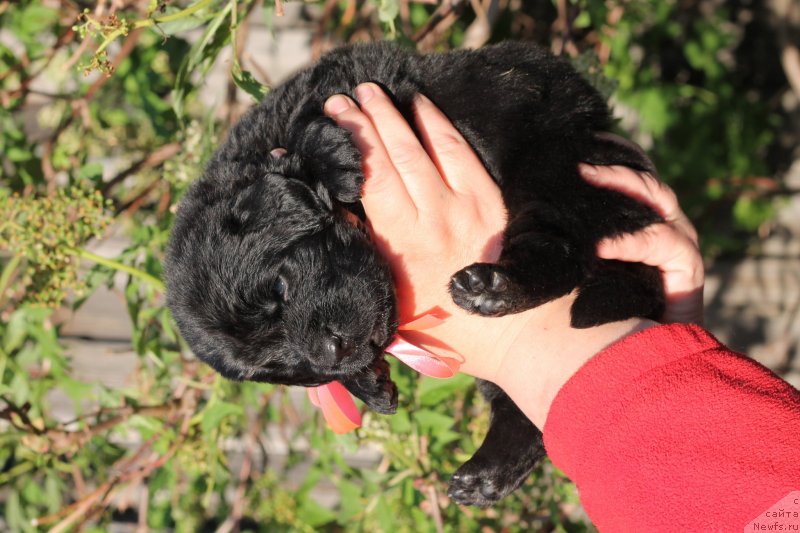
x=128 y=469
x=232 y=523
x=316 y=40
x=153 y=159
x=433 y=498
x=49 y=144
x=129 y=207
x=247 y=58
x=479 y=32
x=12 y=410
x=24 y=85
x=790 y=60
x=116 y=265
x=77 y=479
x=790 y=55
x=612 y=19
x=445 y=9
x=7 y=275
x=562 y=35
x=99 y=9
x=144 y=500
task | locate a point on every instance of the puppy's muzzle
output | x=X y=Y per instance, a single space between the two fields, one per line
x=337 y=347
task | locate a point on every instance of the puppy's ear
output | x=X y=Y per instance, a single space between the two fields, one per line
x=611 y=149
x=374 y=387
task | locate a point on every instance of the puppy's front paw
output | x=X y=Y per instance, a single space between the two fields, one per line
x=483 y=288
x=374 y=387
x=333 y=160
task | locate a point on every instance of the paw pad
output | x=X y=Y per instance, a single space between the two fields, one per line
x=482 y=288
x=473 y=488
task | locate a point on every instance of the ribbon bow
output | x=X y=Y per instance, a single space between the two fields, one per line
x=337 y=405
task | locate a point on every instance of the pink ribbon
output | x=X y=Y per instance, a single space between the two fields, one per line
x=337 y=405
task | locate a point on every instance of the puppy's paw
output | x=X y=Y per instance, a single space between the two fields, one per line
x=374 y=387
x=484 y=289
x=333 y=160
x=479 y=483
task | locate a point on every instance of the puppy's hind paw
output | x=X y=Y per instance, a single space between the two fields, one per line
x=473 y=484
x=484 y=289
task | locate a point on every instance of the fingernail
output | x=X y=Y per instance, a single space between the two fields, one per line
x=337 y=104
x=364 y=93
x=587 y=170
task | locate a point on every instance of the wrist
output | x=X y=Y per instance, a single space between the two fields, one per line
x=546 y=352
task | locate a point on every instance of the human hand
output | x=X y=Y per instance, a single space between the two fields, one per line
x=428 y=203
x=433 y=209
x=421 y=197
x=672 y=246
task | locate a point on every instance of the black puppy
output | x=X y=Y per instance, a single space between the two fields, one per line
x=270 y=280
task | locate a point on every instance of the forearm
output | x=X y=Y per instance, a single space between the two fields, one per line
x=689 y=435
x=544 y=352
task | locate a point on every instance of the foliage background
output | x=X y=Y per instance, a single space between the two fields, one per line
x=704 y=85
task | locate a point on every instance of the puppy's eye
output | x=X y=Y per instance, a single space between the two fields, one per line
x=279 y=288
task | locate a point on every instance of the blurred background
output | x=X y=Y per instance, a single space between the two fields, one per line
x=109 y=110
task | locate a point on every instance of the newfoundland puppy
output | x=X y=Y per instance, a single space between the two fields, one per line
x=270 y=279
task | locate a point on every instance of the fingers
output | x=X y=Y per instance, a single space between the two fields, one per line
x=450 y=152
x=412 y=162
x=641 y=186
x=671 y=246
x=645 y=188
x=654 y=245
x=674 y=253
x=384 y=192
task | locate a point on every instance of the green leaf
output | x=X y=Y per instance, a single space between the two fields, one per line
x=181 y=25
x=431 y=421
x=750 y=213
x=18 y=155
x=200 y=55
x=78 y=391
x=583 y=20
x=16 y=331
x=314 y=514
x=14 y=515
x=388 y=10
x=400 y=423
x=216 y=412
x=20 y=389
x=33 y=20
x=384 y=514
x=246 y=82
x=655 y=109
x=33 y=492
x=432 y=391
x=442 y=438
x=351 y=502
x=91 y=171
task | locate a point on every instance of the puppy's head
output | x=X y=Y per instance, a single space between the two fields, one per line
x=270 y=282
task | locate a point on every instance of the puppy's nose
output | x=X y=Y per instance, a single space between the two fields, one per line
x=338 y=347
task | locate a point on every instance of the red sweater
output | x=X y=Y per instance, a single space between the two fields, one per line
x=668 y=430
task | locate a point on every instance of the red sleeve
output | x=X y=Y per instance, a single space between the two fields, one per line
x=669 y=430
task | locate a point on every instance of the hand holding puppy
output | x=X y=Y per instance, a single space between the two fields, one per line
x=434 y=209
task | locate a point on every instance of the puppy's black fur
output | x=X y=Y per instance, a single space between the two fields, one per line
x=270 y=280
